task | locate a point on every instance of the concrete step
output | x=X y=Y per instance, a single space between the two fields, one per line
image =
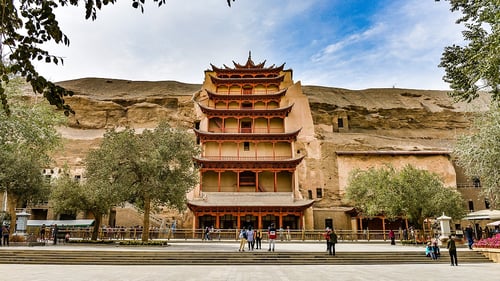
x=165 y=257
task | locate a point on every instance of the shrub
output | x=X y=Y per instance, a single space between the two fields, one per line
x=17 y=238
x=91 y=241
x=141 y=243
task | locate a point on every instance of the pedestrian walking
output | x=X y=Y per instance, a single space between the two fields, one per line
x=250 y=238
x=243 y=240
x=326 y=235
x=392 y=236
x=5 y=235
x=271 y=232
x=333 y=241
x=258 y=239
x=55 y=231
x=452 y=249
x=469 y=235
x=42 y=232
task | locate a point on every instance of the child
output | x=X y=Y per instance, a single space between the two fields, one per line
x=429 y=251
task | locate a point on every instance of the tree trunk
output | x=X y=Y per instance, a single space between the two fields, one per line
x=12 y=204
x=147 y=210
x=97 y=226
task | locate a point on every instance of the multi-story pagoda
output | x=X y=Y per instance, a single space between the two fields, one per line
x=248 y=163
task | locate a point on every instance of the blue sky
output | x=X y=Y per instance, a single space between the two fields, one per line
x=353 y=44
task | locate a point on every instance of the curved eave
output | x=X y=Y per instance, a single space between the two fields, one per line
x=251 y=80
x=198 y=205
x=210 y=136
x=281 y=112
x=277 y=95
x=245 y=70
x=286 y=164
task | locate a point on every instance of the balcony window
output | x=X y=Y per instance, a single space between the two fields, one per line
x=246 y=126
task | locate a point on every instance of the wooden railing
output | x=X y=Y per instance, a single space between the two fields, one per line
x=229 y=234
x=247 y=158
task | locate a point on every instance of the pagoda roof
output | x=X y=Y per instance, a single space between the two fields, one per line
x=208 y=136
x=249 y=65
x=247 y=80
x=235 y=162
x=282 y=112
x=227 y=69
x=276 y=95
x=250 y=199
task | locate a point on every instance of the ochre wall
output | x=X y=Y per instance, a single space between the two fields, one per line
x=439 y=164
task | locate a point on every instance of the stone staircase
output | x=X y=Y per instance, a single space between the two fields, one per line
x=167 y=257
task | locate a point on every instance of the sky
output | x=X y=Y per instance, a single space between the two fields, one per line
x=352 y=44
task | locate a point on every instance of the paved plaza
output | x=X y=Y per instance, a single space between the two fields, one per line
x=471 y=271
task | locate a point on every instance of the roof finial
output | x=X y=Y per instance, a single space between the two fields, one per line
x=249 y=55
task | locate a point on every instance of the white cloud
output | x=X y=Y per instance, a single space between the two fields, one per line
x=401 y=47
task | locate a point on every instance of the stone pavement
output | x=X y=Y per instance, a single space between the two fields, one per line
x=21 y=272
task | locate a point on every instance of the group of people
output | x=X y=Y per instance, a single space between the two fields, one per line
x=209 y=231
x=331 y=239
x=432 y=250
x=253 y=238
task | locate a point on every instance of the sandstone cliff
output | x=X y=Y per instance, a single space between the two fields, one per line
x=375 y=119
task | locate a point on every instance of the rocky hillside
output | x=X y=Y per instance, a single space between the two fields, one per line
x=100 y=103
x=378 y=119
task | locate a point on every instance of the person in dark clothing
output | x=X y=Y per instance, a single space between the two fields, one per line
x=55 y=231
x=332 y=242
x=258 y=239
x=5 y=235
x=452 y=249
x=469 y=235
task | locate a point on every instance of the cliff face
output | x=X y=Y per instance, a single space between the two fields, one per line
x=105 y=103
x=372 y=119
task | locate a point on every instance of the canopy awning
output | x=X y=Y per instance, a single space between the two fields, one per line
x=495 y=223
x=61 y=223
x=486 y=214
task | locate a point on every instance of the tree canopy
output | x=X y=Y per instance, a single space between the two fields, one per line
x=27 y=136
x=94 y=195
x=479 y=153
x=151 y=169
x=474 y=67
x=410 y=192
x=25 y=27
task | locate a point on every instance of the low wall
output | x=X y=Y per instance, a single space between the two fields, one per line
x=492 y=254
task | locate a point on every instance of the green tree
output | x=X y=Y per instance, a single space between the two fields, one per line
x=151 y=169
x=25 y=26
x=479 y=153
x=95 y=195
x=27 y=136
x=474 y=67
x=410 y=192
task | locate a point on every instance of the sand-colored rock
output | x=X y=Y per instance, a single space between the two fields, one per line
x=373 y=120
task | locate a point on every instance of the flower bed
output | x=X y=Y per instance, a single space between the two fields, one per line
x=493 y=242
